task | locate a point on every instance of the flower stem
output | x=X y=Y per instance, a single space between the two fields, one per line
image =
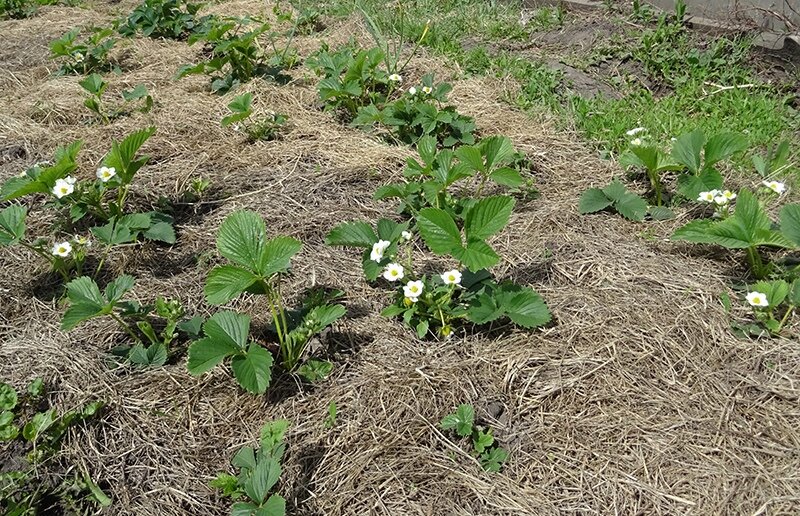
x=125 y=326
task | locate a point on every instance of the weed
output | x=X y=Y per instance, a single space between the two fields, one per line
x=485 y=448
x=259 y=471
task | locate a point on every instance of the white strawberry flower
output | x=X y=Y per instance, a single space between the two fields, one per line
x=635 y=131
x=452 y=277
x=724 y=198
x=413 y=289
x=775 y=186
x=78 y=57
x=71 y=180
x=62 y=188
x=104 y=174
x=406 y=235
x=395 y=78
x=757 y=299
x=412 y=91
x=708 y=196
x=636 y=142
x=63 y=249
x=427 y=90
x=378 y=248
x=393 y=272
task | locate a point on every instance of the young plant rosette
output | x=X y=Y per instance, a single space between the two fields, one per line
x=257 y=266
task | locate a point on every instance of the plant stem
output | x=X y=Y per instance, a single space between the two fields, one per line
x=125 y=326
x=785 y=317
x=756 y=264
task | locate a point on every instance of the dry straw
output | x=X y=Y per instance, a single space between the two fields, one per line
x=637 y=401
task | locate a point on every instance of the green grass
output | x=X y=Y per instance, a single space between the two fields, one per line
x=470 y=32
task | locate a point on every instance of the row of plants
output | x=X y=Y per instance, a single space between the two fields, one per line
x=434 y=217
x=722 y=217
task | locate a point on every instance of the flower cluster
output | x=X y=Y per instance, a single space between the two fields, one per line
x=718 y=197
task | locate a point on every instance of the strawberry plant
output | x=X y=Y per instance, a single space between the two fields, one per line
x=266 y=129
x=428 y=182
x=257 y=265
x=692 y=154
x=774 y=302
x=259 y=471
x=169 y=19
x=95 y=86
x=748 y=228
x=17 y=9
x=419 y=113
x=462 y=422
x=236 y=56
x=150 y=346
x=102 y=199
x=614 y=196
x=434 y=304
x=86 y=56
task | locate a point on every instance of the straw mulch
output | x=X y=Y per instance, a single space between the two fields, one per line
x=638 y=400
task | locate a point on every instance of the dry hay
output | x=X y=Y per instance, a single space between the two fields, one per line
x=638 y=400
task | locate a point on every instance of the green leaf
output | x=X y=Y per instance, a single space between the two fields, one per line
x=226 y=334
x=426 y=146
x=506 y=177
x=139 y=91
x=488 y=216
x=439 y=230
x=352 y=234
x=114 y=233
x=790 y=223
x=85 y=302
x=471 y=156
x=476 y=255
x=277 y=255
x=123 y=155
x=272 y=433
x=690 y=186
x=262 y=478
x=35 y=388
x=244 y=509
x=497 y=149
x=695 y=231
x=253 y=369
x=461 y=421
x=615 y=190
x=227 y=282
x=315 y=370
x=632 y=207
x=118 y=288
x=794 y=293
x=8 y=397
x=241 y=103
x=160 y=231
x=482 y=440
x=12 y=224
x=722 y=146
x=484 y=309
x=493 y=459
x=245 y=458
x=524 y=306
x=592 y=201
x=660 y=213
x=687 y=149
x=94 y=84
x=38 y=424
x=422 y=328
x=390 y=230
x=275 y=506
x=8 y=431
x=242 y=239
